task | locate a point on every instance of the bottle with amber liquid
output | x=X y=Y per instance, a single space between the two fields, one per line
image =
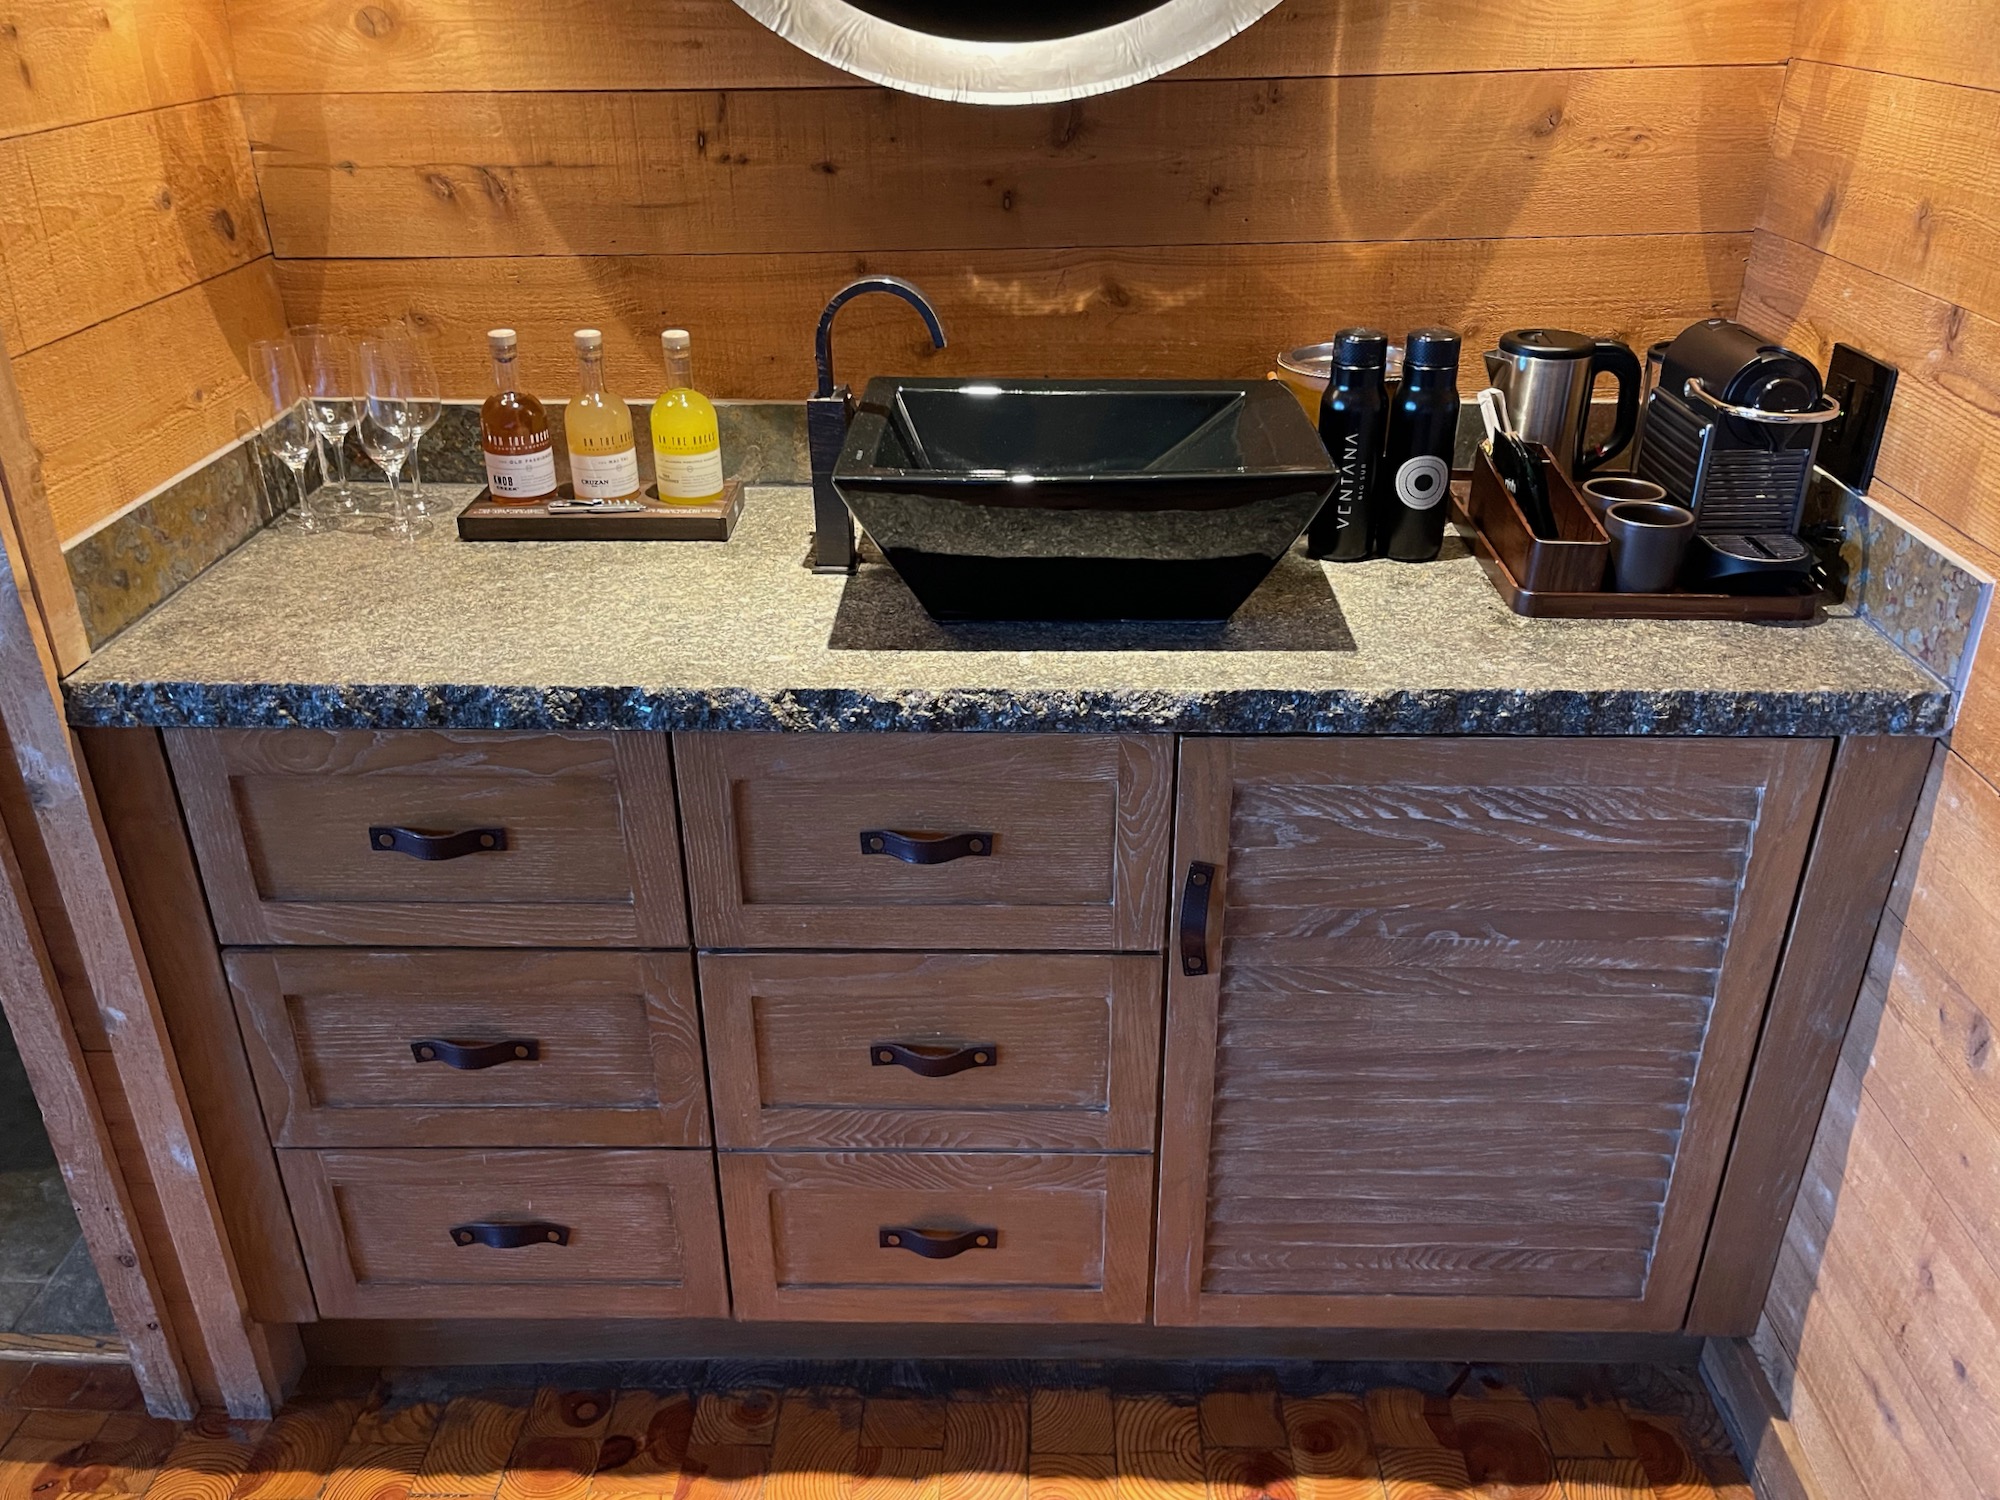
x=603 y=464
x=514 y=433
x=687 y=443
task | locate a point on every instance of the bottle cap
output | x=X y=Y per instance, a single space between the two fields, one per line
x=1431 y=349
x=676 y=339
x=500 y=340
x=589 y=341
x=1363 y=348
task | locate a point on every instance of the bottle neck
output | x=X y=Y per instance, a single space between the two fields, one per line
x=1429 y=378
x=1357 y=377
x=680 y=370
x=590 y=374
x=503 y=373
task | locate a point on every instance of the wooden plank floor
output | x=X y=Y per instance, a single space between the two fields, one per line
x=887 y=1431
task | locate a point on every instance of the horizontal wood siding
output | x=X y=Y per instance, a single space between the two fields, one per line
x=1883 y=230
x=1394 y=161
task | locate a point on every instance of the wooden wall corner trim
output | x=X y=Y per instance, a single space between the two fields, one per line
x=1766 y=1444
x=1871 y=797
x=34 y=551
x=63 y=815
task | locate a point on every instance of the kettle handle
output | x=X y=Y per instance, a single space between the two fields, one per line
x=1617 y=359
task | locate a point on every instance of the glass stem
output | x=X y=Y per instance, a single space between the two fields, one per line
x=307 y=521
x=340 y=461
x=416 y=478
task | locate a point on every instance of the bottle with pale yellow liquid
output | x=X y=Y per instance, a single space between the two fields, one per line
x=603 y=462
x=687 y=445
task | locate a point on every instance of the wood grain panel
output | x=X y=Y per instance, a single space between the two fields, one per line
x=618 y=1044
x=1078 y=826
x=280 y=820
x=1071 y=1236
x=1315 y=1170
x=1074 y=1042
x=1942 y=444
x=106 y=438
x=644 y=1235
x=100 y=218
x=1626 y=151
x=307 y=46
x=1891 y=173
x=1210 y=311
x=1953 y=41
x=62 y=63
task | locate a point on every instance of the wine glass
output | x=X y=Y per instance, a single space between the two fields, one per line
x=333 y=389
x=287 y=429
x=387 y=432
x=426 y=404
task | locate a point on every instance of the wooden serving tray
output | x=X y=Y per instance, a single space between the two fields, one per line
x=485 y=521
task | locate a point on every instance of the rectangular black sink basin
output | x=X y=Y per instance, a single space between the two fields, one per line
x=1082 y=500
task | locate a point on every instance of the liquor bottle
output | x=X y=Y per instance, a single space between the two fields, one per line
x=687 y=445
x=602 y=461
x=1352 y=415
x=514 y=433
x=1415 y=478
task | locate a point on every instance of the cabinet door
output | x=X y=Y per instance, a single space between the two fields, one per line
x=1475 y=1022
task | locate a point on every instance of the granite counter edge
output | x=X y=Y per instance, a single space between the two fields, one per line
x=1484 y=711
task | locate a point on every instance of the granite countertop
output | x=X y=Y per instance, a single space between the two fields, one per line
x=346 y=630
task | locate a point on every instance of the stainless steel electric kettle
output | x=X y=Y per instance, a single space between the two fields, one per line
x=1548 y=374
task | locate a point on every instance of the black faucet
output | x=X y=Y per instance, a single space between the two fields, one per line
x=829 y=411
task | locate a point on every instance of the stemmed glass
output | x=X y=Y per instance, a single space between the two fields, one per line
x=333 y=389
x=387 y=432
x=287 y=427
x=425 y=406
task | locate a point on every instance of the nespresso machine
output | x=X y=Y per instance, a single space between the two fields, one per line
x=1731 y=432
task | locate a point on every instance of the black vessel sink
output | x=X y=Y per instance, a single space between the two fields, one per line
x=1068 y=500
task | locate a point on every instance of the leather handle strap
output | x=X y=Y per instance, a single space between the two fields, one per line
x=510 y=1236
x=936 y=1244
x=1194 y=918
x=926 y=848
x=393 y=839
x=933 y=1062
x=470 y=1057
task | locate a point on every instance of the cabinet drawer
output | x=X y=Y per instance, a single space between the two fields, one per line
x=829 y=1237
x=1010 y=1052
x=402 y=1234
x=562 y=840
x=540 y=1049
x=1060 y=840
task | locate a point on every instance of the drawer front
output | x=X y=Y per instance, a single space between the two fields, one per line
x=834 y=1237
x=363 y=1048
x=551 y=840
x=995 y=841
x=1017 y=1052
x=405 y=1234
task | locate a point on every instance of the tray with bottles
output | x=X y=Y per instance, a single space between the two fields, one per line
x=564 y=518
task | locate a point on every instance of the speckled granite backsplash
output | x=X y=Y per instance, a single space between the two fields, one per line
x=147 y=555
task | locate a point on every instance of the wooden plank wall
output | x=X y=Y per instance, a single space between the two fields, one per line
x=134 y=265
x=637 y=163
x=1882 y=1333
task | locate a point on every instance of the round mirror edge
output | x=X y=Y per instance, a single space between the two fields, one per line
x=1053 y=71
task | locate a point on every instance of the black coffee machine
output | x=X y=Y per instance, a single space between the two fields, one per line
x=1731 y=432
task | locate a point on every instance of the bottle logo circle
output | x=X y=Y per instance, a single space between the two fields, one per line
x=1421 y=483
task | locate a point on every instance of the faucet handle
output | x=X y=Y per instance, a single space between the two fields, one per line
x=895 y=286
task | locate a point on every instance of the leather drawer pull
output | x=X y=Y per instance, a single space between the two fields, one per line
x=470 y=1057
x=510 y=1236
x=923 y=848
x=1194 y=918
x=933 y=1062
x=392 y=840
x=937 y=1244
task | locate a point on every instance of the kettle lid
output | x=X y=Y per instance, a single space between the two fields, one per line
x=1546 y=343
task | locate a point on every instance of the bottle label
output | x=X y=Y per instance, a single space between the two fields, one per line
x=1356 y=472
x=1422 y=482
x=688 y=476
x=521 y=475
x=604 y=476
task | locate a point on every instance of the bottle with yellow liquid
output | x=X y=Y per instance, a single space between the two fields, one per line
x=603 y=462
x=687 y=445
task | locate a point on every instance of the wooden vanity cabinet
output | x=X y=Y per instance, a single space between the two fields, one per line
x=1457 y=1030
x=1278 y=1032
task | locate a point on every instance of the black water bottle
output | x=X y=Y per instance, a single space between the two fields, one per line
x=1415 y=479
x=1352 y=415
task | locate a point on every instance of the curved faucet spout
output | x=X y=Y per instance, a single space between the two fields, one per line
x=895 y=286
